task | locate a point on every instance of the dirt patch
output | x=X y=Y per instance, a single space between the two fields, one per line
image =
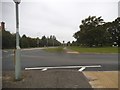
x=102 y=79
x=70 y=51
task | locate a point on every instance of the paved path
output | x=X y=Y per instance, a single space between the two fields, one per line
x=47 y=79
x=105 y=79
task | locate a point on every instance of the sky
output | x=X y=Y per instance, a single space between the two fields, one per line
x=119 y=8
x=55 y=17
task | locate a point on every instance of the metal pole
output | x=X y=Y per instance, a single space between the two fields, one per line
x=53 y=41
x=47 y=41
x=17 y=52
x=37 y=42
x=17 y=26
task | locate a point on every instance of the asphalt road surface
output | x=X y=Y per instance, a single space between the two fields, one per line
x=39 y=58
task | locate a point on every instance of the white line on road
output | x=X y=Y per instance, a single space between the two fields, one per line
x=83 y=68
x=73 y=52
x=44 y=69
x=31 y=49
x=63 y=67
x=11 y=54
x=5 y=51
x=27 y=49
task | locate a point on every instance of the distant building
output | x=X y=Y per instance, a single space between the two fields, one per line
x=2 y=27
x=119 y=9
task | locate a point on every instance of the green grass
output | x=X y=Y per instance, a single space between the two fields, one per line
x=95 y=50
x=56 y=49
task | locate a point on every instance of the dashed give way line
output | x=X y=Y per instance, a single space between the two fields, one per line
x=64 y=67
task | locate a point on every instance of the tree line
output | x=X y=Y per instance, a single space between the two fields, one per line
x=9 y=41
x=94 y=32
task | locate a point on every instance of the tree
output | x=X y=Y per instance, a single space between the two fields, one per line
x=52 y=41
x=93 y=31
x=43 y=41
x=113 y=31
x=24 y=43
x=90 y=32
x=68 y=43
x=8 y=39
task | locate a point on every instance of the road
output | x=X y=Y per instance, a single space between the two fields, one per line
x=52 y=78
x=40 y=58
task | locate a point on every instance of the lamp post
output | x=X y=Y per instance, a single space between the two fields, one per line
x=17 y=50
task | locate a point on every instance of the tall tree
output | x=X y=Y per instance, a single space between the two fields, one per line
x=8 y=39
x=43 y=41
x=24 y=42
x=90 y=32
x=113 y=32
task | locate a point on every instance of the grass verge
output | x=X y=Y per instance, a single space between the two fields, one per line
x=55 y=49
x=94 y=50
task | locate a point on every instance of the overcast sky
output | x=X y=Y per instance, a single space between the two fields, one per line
x=56 y=17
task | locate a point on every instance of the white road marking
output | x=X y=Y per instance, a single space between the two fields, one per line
x=44 y=69
x=11 y=54
x=83 y=68
x=62 y=67
x=5 y=51
x=73 y=52
x=27 y=49
x=31 y=49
